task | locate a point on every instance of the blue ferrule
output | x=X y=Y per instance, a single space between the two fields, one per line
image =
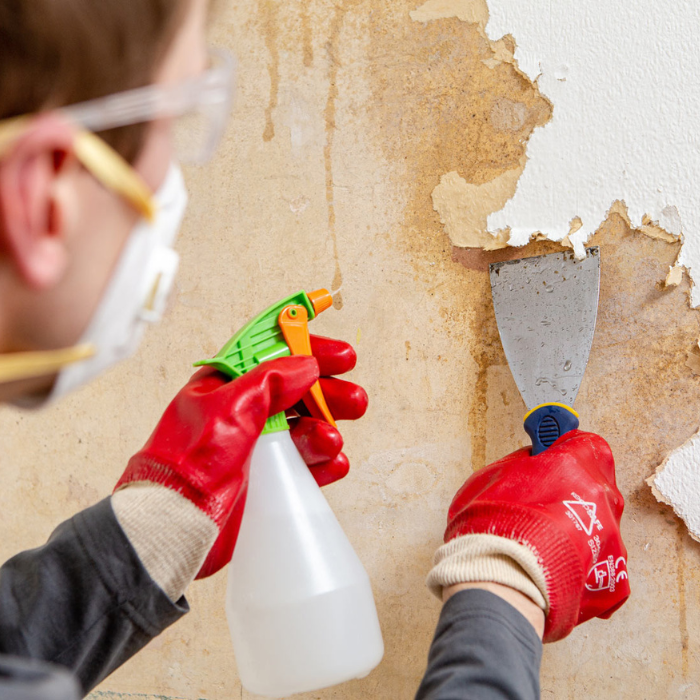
x=547 y=423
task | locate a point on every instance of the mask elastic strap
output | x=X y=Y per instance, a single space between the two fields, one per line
x=28 y=365
x=100 y=160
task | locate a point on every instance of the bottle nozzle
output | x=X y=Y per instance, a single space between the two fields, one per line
x=321 y=300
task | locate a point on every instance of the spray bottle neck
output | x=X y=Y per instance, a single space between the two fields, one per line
x=276 y=424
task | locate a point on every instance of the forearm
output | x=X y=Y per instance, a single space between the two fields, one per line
x=531 y=612
x=83 y=600
x=483 y=649
x=488 y=641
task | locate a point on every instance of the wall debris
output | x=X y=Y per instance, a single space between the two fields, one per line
x=464 y=207
x=674 y=276
x=598 y=120
x=677 y=483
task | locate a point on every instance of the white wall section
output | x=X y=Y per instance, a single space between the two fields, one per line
x=624 y=80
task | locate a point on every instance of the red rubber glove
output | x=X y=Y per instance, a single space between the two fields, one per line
x=202 y=445
x=563 y=505
x=318 y=442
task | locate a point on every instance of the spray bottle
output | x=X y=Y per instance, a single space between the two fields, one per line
x=299 y=602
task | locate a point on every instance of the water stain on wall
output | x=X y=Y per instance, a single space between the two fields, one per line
x=268 y=21
x=340 y=12
x=444 y=100
x=682 y=605
x=435 y=101
x=307 y=35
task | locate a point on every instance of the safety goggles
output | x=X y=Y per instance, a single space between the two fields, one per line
x=198 y=109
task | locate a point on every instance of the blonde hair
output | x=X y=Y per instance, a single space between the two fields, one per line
x=58 y=52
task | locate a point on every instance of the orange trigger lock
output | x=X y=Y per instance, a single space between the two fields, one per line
x=294 y=324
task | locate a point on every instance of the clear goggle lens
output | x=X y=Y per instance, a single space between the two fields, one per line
x=197 y=134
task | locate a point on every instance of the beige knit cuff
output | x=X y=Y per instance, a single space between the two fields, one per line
x=474 y=558
x=171 y=536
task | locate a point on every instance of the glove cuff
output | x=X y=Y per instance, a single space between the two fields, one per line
x=557 y=555
x=170 y=535
x=144 y=467
x=475 y=558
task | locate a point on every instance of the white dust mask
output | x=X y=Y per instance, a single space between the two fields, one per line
x=137 y=291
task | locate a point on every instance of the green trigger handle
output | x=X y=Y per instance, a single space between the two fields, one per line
x=279 y=331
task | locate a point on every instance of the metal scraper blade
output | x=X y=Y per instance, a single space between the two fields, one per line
x=546 y=310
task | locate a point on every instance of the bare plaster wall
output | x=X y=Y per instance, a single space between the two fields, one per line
x=348 y=114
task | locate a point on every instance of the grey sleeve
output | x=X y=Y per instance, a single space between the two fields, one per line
x=27 y=679
x=83 y=600
x=483 y=649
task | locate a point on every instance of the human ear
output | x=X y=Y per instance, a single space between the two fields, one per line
x=32 y=230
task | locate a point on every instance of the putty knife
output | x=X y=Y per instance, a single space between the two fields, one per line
x=546 y=310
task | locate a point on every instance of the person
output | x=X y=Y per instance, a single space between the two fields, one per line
x=532 y=549
x=90 y=202
x=92 y=102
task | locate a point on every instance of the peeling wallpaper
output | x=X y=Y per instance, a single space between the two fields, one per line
x=622 y=79
x=623 y=128
x=621 y=138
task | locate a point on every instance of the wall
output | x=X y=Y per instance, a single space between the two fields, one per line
x=349 y=112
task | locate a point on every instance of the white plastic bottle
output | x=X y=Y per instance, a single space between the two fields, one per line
x=299 y=602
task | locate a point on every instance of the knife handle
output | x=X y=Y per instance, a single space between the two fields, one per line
x=546 y=423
